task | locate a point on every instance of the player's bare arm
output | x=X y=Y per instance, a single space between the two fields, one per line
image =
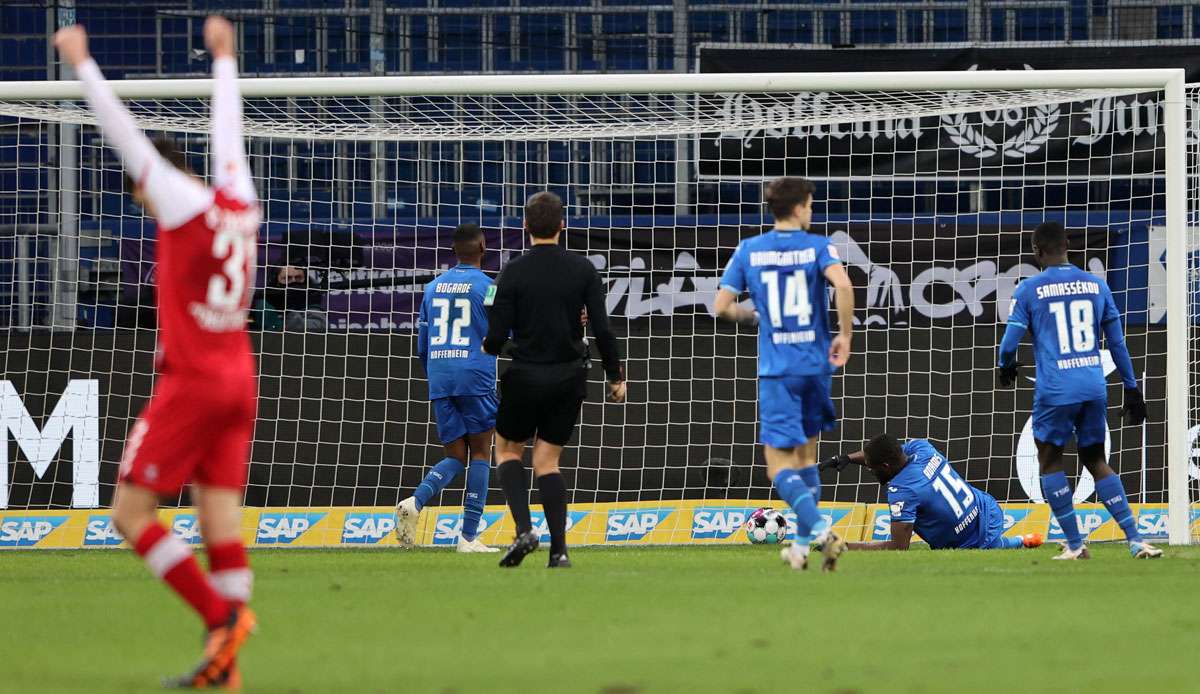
x=900 y=540
x=843 y=299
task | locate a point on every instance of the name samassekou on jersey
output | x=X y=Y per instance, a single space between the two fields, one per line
x=1050 y=291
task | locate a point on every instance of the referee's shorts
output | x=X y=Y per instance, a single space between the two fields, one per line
x=541 y=400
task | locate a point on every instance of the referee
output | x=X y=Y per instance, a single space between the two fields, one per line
x=539 y=298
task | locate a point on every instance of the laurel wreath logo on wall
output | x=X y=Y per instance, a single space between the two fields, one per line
x=971 y=139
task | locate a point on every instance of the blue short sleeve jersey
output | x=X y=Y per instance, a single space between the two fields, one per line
x=944 y=510
x=784 y=271
x=451 y=328
x=1064 y=309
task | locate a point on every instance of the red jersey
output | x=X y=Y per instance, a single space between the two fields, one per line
x=205 y=281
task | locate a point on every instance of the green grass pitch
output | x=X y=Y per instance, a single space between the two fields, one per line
x=701 y=619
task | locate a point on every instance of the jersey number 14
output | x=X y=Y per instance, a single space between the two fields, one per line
x=793 y=304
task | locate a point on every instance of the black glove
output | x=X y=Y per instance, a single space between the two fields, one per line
x=1006 y=376
x=1134 y=409
x=837 y=462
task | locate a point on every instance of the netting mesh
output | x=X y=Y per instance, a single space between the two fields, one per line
x=558 y=116
x=927 y=204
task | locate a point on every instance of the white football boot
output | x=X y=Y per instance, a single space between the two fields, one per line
x=795 y=555
x=466 y=546
x=1144 y=550
x=1069 y=554
x=406 y=522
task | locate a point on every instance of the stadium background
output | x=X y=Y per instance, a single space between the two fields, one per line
x=332 y=435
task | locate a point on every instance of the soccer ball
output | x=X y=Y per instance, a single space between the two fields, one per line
x=766 y=526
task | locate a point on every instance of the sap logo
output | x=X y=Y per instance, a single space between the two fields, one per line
x=832 y=516
x=1088 y=521
x=448 y=526
x=27 y=531
x=284 y=528
x=186 y=528
x=367 y=528
x=633 y=524
x=100 y=532
x=1014 y=516
x=718 y=522
x=881 y=529
x=538 y=519
x=1152 y=523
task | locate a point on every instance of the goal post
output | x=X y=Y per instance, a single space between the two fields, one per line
x=344 y=423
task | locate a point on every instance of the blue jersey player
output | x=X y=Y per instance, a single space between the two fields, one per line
x=462 y=388
x=787 y=272
x=927 y=495
x=1066 y=310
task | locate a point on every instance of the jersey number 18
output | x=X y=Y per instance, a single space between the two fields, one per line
x=1080 y=334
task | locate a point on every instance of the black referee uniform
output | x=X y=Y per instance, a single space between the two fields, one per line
x=538 y=299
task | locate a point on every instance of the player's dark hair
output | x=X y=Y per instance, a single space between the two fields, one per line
x=543 y=215
x=884 y=451
x=167 y=150
x=1050 y=237
x=783 y=195
x=468 y=242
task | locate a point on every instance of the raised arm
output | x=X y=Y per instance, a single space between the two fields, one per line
x=137 y=154
x=230 y=170
x=170 y=195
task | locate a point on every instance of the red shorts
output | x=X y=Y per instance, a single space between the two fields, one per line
x=194 y=429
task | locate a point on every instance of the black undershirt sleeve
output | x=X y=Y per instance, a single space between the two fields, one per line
x=610 y=353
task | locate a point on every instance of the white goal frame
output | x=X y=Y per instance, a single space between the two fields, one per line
x=1170 y=81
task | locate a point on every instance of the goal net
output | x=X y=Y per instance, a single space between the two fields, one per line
x=928 y=188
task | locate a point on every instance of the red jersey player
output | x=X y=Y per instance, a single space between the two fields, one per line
x=198 y=424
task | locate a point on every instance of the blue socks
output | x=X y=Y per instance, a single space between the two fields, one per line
x=812 y=477
x=442 y=474
x=1011 y=543
x=792 y=489
x=1110 y=491
x=478 y=473
x=1057 y=491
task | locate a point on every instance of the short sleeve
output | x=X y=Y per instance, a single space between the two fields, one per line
x=1018 y=312
x=828 y=255
x=916 y=447
x=902 y=504
x=734 y=277
x=1109 y=312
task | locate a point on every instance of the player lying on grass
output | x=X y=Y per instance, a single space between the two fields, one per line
x=198 y=423
x=462 y=388
x=927 y=495
x=788 y=272
x=1065 y=310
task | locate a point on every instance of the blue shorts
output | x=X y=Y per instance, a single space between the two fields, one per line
x=991 y=523
x=1087 y=421
x=459 y=415
x=793 y=410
